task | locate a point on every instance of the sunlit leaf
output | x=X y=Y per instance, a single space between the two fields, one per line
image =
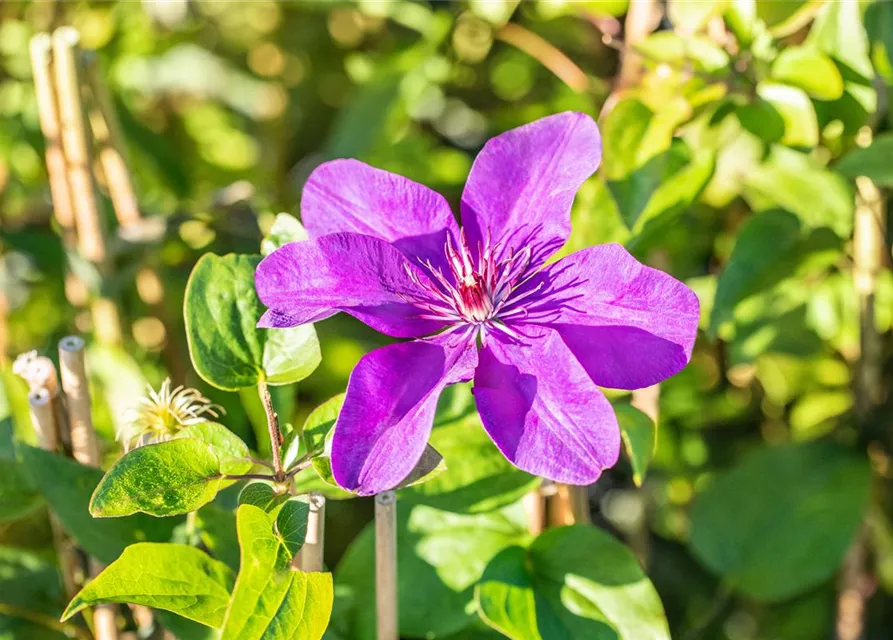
x=639 y=434
x=285 y=229
x=810 y=70
x=271 y=601
x=162 y=479
x=173 y=577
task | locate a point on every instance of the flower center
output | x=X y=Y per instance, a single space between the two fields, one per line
x=480 y=290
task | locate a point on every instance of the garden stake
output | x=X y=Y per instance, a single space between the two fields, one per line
x=386 y=565
x=107 y=132
x=43 y=420
x=43 y=417
x=48 y=113
x=76 y=144
x=869 y=246
x=311 y=554
x=535 y=506
x=77 y=392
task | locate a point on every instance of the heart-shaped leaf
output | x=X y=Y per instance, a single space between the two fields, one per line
x=231 y=452
x=575 y=583
x=227 y=349
x=774 y=549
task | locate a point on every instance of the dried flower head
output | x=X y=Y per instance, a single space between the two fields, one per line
x=163 y=413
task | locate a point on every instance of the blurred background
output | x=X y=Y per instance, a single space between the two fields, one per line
x=745 y=152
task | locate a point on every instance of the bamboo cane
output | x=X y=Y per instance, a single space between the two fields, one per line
x=311 y=556
x=76 y=144
x=84 y=446
x=44 y=420
x=112 y=156
x=869 y=246
x=47 y=110
x=386 y=565
x=535 y=506
x=85 y=449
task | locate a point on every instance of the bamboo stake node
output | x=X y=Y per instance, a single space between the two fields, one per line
x=386 y=565
x=84 y=446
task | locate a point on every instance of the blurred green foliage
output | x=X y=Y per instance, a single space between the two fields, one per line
x=731 y=161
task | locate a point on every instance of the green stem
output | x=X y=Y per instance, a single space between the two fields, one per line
x=273 y=426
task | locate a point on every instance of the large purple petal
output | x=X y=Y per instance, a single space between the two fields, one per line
x=523 y=183
x=391 y=398
x=364 y=276
x=542 y=410
x=350 y=196
x=629 y=325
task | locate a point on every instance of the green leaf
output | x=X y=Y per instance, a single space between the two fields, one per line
x=838 y=31
x=17 y=497
x=29 y=582
x=285 y=229
x=873 y=161
x=162 y=479
x=773 y=549
x=478 y=478
x=801 y=126
x=785 y=18
x=270 y=600
x=692 y=15
x=217 y=532
x=639 y=436
x=231 y=452
x=572 y=583
x=761 y=119
x=440 y=557
x=227 y=349
x=317 y=426
x=795 y=182
x=809 y=70
x=638 y=156
x=67 y=486
x=264 y=496
x=750 y=267
x=173 y=577
x=677 y=50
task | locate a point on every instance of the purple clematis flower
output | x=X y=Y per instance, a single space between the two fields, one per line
x=538 y=339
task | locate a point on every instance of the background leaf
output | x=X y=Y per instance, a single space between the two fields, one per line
x=67 y=487
x=774 y=549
